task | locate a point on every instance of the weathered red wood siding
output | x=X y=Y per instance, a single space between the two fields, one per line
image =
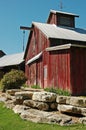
x=78 y=71
x=30 y=53
x=34 y=71
x=52 y=19
x=59 y=69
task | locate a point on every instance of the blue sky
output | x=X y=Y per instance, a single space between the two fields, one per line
x=14 y=13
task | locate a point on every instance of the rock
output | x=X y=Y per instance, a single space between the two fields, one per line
x=82 y=120
x=77 y=101
x=24 y=94
x=74 y=101
x=32 y=115
x=12 y=91
x=83 y=111
x=66 y=121
x=53 y=106
x=35 y=104
x=61 y=99
x=20 y=108
x=59 y=118
x=69 y=109
x=9 y=104
x=31 y=89
x=44 y=97
x=2 y=99
x=84 y=102
x=44 y=117
x=68 y=100
x=18 y=100
x=9 y=97
x=21 y=96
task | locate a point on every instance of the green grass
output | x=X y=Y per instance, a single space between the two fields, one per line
x=11 y=121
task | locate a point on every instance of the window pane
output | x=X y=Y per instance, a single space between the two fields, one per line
x=66 y=21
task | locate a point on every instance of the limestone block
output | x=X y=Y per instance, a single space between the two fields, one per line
x=69 y=109
x=44 y=97
x=61 y=99
x=3 y=98
x=9 y=104
x=82 y=120
x=9 y=97
x=68 y=100
x=31 y=89
x=83 y=111
x=24 y=95
x=35 y=104
x=77 y=101
x=53 y=106
x=12 y=91
x=85 y=102
x=45 y=117
x=27 y=115
x=18 y=100
x=19 y=109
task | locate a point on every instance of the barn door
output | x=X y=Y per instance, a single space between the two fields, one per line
x=33 y=74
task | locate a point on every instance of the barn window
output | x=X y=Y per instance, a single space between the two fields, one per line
x=65 y=21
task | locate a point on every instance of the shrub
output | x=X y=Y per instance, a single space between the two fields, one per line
x=35 y=86
x=1 y=74
x=58 y=91
x=25 y=85
x=12 y=80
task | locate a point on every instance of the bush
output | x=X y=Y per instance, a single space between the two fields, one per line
x=58 y=91
x=12 y=80
x=1 y=74
x=35 y=86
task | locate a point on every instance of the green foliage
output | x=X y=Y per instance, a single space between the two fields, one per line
x=35 y=86
x=11 y=121
x=1 y=74
x=58 y=91
x=12 y=80
x=25 y=85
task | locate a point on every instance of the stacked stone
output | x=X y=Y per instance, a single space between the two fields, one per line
x=40 y=100
x=72 y=105
x=47 y=101
x=45 y=106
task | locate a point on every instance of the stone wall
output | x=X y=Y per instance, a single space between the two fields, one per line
x=46 y=107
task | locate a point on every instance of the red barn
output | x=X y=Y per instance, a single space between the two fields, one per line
x=55 y=54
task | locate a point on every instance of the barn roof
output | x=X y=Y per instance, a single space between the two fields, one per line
x=13 y=59
x=58 y=32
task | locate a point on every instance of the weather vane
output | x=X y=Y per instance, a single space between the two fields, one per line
x=61 y=5
x=23 y=38
x=25 y=28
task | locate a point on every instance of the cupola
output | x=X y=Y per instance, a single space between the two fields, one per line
x=62 y=18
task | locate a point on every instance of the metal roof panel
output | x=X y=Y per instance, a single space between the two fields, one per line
x=13 y=59
x=58 y=32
